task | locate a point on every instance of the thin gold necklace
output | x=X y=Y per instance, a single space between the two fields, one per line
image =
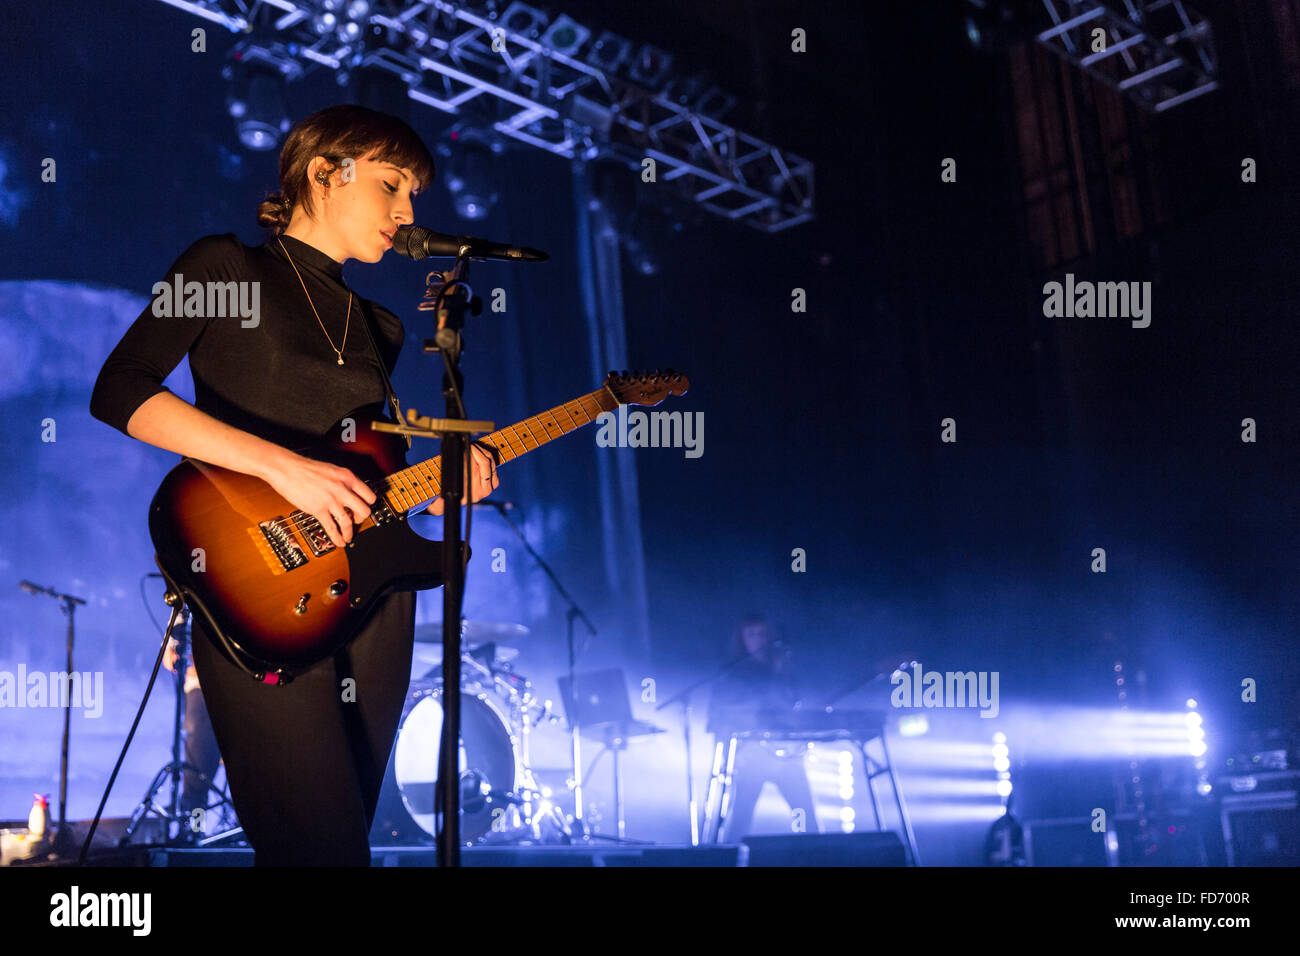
x=347 y=322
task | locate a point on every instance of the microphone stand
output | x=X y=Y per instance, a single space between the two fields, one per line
x=64 y=843
x=451 y=295
x=570 y=616
x=448 y=295
x=861 y=681
x=452 y=299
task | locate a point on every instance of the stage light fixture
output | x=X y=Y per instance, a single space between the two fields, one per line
x=715 y=103
x=471 y=161
x=255 y=100
x=913 y=725
x=565 y=36
x=686 y=91
x=1002 y=765
x=609 y=52
x=650 y=66
x=522 y=19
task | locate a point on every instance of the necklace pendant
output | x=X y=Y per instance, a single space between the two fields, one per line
x=340 y=359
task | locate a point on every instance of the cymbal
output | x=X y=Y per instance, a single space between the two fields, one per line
x=476 y=632
x=431 y=654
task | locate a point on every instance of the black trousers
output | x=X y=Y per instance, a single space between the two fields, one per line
x=755 y=765
x=305 y=765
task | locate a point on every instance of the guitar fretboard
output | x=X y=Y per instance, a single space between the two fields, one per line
x=419 y=484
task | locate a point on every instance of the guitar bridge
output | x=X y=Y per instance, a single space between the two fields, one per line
x=283 y=546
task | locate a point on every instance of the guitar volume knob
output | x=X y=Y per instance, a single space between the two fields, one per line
x=338 y=587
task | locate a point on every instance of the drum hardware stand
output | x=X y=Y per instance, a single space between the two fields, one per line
x=574 y=612
x=64 y=842
x=529 y=791
x=176 y=767
x=528 y=784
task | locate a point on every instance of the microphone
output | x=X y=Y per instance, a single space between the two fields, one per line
x=416 y=242
x=31 y=588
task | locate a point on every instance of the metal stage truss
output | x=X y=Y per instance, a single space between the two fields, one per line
x=550 y=83
x=1159 y=53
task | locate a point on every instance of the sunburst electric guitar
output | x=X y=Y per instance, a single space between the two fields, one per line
x=274 y=594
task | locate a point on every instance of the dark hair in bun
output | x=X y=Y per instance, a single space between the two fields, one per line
x=273 y=212
x=336 y=133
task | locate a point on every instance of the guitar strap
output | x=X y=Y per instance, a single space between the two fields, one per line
x=383 y=370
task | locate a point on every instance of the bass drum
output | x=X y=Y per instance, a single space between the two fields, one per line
x=489 y=767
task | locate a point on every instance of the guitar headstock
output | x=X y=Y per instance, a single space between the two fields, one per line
x=646 y=388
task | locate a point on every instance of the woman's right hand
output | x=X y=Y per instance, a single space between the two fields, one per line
x=331 y=494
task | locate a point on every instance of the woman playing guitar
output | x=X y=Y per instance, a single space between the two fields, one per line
x=305 y=759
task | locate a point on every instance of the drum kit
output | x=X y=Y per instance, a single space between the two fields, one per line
x=500 y=796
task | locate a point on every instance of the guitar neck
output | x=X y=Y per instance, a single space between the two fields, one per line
x=422 y=482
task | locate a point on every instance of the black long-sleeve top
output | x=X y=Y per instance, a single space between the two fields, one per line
x=279 y=379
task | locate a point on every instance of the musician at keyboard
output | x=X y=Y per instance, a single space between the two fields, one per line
x=744 y=699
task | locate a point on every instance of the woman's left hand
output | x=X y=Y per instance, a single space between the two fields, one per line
x=483 y=478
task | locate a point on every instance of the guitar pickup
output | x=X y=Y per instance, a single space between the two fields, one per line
x=317 y=539
x=282 y=543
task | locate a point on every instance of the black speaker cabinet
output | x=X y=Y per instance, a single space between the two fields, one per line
x=827 y=849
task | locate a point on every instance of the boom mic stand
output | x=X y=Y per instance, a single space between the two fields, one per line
x=64 y=842
x=573 y=613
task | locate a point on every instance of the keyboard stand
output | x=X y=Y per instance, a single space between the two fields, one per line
x=717 y=802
